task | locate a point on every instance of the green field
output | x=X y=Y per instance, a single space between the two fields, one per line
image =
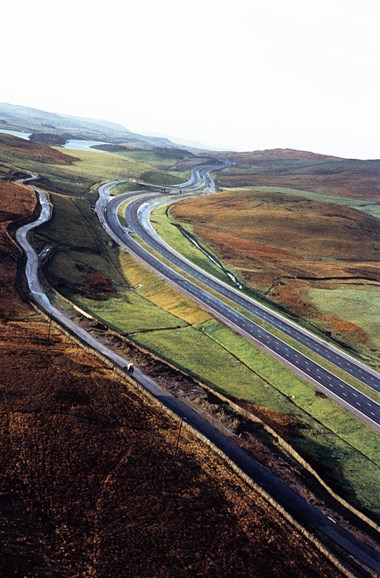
x=360 y=304
x=370 y=207
x=93 y=168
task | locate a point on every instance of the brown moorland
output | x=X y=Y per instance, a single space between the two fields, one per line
x=33 y=151
x=357 y=179
x=91 y=483
x=285 y=245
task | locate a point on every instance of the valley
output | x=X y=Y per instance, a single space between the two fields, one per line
x=284 y=247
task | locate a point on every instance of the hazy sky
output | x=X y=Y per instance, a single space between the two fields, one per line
x=235 y=74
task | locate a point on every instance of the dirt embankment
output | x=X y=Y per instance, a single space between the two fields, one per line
x=91 y=483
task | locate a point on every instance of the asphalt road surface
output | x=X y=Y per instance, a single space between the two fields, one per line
x=352 y=399
x=307 y=514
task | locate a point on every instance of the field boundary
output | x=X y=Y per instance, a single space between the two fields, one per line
x=289 y=449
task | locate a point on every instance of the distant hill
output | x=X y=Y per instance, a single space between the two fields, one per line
x=305 y=171
x=15 y=117
x=278 y=155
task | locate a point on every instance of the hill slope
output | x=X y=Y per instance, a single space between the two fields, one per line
x=353 y=178
x=15 y=117
x=90 y=484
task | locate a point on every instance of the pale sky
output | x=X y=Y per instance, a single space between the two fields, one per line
x=231 y=74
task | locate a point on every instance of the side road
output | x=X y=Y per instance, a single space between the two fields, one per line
x=308 y=515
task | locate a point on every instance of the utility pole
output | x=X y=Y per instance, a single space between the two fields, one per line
x=178 y=437
x=49 y=327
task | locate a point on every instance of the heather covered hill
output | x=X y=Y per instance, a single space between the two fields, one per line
x=12 y=147
x=90 y=483
x=293 y=250
x=352 y=178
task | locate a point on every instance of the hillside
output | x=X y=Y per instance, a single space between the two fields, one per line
x=90 y=482
x=15 y=117
x=300 y=253
x=13 y=148
x=305 y=171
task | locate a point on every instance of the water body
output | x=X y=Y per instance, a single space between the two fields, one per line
x=20 y=134
x=78 y=144
x=230 y=275
x=83 y=145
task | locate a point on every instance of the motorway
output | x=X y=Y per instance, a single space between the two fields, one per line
x=137 y=216
x=307 y=514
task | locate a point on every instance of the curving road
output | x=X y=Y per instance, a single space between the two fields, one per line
x=140 y=215
x=137 y=215
x=307 y=514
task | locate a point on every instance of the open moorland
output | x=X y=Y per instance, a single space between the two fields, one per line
x=299 y=253
x=305 y=171
x=91 y=483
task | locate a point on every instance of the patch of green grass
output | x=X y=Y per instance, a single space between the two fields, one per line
x=168 y=228
x=161 y=294
x=163 y=178
x=63 y=226
x=337 y=444
x=160 y=159
x=129 y=313
x=359 y=305
x=125 y=188
x=372 y=208
x=121 y=212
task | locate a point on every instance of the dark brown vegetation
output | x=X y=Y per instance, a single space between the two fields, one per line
x=35 y=151
x=91 y=483
x=283 y=245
